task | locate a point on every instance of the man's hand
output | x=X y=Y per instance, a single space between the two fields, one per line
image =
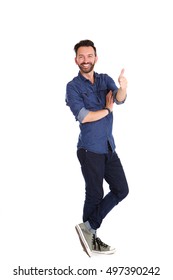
x=109 y=100
x=122 y=80
x=121 y=93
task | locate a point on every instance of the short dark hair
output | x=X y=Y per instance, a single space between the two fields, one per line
x=85 y=43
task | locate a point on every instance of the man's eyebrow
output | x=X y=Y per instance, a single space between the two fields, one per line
x=80 y=54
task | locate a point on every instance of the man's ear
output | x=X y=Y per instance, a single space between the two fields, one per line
x=75 y=60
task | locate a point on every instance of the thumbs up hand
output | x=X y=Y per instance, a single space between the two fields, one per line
x=122 y=80
x=121 y=93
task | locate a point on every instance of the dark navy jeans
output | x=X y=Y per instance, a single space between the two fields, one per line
x=95 y=169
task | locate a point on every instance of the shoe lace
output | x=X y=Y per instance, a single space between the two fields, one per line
x=100 y=243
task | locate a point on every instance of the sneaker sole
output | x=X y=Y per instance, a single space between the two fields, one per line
x=83 y=241
x=104 y=252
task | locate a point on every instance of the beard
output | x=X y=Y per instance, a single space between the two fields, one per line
x=87 y=69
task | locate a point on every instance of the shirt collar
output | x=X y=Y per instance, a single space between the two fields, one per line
x=96 y=75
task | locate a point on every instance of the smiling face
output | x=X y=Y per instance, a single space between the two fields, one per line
x=86 y=59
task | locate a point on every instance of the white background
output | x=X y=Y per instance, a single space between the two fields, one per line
x=41 y=186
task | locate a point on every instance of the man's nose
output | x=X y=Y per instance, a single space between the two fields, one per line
x=85 y=60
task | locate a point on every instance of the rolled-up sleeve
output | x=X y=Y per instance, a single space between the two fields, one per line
x=75 y=102
x=82 y=114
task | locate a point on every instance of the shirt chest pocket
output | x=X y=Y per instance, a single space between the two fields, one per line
x=94 y=100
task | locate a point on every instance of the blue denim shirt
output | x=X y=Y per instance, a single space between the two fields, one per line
x=82 y=96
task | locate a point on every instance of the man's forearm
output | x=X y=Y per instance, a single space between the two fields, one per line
x=95 y=116
x=121 y=95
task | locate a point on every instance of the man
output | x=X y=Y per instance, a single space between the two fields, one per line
x=91 y=97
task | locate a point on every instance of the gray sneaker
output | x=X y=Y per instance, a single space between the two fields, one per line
x=86 y=238
x=100 y=247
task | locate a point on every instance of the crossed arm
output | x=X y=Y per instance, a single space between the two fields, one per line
x=120 y=97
